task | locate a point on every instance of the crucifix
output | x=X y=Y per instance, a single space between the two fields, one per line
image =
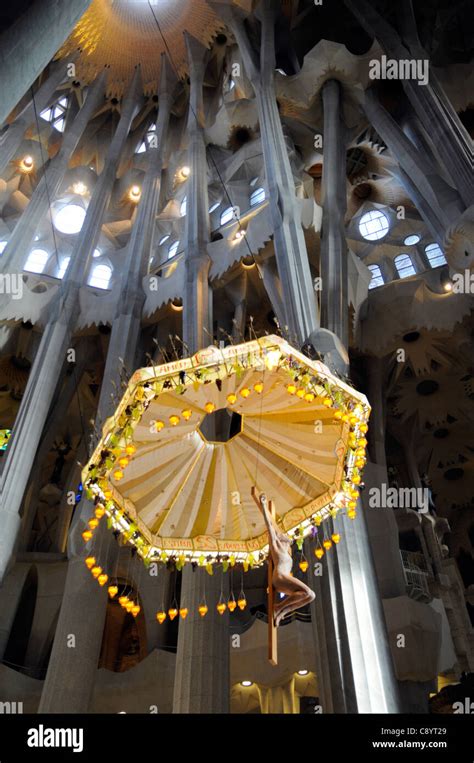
x=280 y=578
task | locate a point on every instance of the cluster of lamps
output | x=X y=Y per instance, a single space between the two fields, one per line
x=93 y=522
x=128 y=604
x=96 y=571
x=123 y=462
x=209 y=407
x=203 y=609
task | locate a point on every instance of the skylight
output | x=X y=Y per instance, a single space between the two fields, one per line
x=374 y=225
x=412 y=240
x=69 y=219
x=56 y=114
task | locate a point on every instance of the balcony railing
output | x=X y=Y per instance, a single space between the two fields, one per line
x=417 y=575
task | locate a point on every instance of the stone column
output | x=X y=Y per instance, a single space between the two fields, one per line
x=288 y=237
x=27 y=47
x=202 y=678
x=433 y=197
x=11 y=140
x=123 y=343
x=55 y=341
x=429 y=102
x=23 y=234
x=57 y=415
x=197 y=313
x=334 y=299
x=355 y=671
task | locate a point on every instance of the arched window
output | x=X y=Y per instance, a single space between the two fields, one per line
x=257 y=197
x=163 y=239
x=56 y=114
x=374 y=225
x=214 y=206
x=173 y=249
x=2 y=246
x=36 y=261
x=228 y=215
x=63 y=267
x=183 y=207
x=435 y=255
x=100 y=276
x=377 y=278
x=404 y=266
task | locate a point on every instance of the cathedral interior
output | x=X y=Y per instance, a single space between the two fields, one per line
x=204 y=179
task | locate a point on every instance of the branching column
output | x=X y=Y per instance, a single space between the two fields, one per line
x=334 y=299
x=288 y=237
x=26 y=228
x=432 y=196
x=429 y=102
x=11 y=140
x=197 y=314
x=27 y=47
x=123 y=344
x=354 y=662
x=56 y=339
x=202 y=680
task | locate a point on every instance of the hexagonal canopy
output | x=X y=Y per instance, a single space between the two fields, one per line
x=172 y=491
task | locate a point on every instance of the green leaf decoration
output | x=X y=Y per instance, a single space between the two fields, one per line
x=225 y=565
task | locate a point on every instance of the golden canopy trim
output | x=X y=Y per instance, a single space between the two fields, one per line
x=172 y=492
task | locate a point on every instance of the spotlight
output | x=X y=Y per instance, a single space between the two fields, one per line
x=79 y=188
x=177 y=305
x=248 y=263
x=185 y=172
x=448 y=285
x=240 y=235
x=303 y=672
x=135 y=193
x=27 y=163
x=246 y=683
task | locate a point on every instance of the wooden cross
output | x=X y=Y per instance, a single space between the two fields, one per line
x=272 y=630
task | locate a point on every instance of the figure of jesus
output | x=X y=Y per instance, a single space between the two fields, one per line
x=297 y=593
